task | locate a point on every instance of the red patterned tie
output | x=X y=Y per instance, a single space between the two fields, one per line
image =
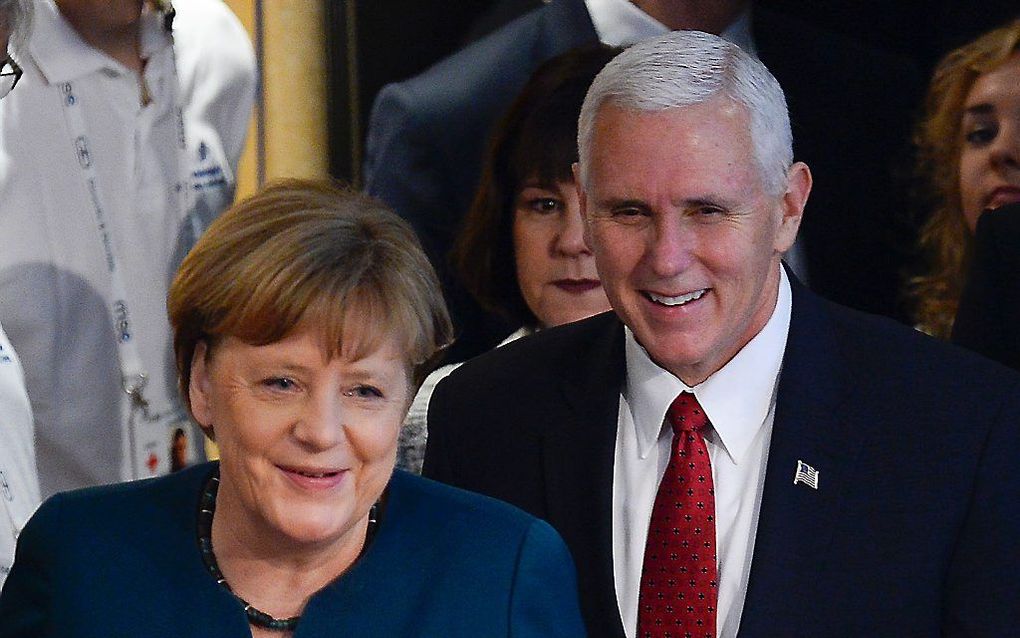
x=679 y=585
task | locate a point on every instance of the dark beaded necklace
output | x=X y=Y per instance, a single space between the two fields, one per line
x=257 y=617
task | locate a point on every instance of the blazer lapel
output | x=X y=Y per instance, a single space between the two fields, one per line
x=578 y=459
x=796 y=521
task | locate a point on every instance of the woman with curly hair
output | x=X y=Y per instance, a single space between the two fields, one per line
x=969 y=155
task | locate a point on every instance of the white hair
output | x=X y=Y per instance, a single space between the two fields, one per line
x=686 y=68
x=17 y=16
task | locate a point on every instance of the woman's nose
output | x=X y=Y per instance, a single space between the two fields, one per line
x=321 y=425
x=570 y=237
x=1006 y=147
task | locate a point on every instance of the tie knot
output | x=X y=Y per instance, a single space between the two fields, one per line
x=685 y=414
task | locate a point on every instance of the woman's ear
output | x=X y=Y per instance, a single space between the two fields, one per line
x=198 y=388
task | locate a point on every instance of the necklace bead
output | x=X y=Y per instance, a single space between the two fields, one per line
x=257 y=617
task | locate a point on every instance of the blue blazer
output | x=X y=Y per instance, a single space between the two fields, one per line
x=123 y=560
x=913 y=531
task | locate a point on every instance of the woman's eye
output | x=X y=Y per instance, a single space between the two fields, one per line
x=980 y=136
x=366 y=392
x=544 y=204
x=280 y=383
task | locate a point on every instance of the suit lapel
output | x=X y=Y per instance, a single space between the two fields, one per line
x=578 y=460
x=796 y=522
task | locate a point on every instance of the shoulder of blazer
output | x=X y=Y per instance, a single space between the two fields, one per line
x=879 y=357
x=489 y=72
x=580 y=353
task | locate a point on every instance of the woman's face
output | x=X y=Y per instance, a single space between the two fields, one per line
x=307 y=442
x=555 y=270
x=990 y=155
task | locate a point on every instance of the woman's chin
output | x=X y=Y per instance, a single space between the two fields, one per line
x=313 y=525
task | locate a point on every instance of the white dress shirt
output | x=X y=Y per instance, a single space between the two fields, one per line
x=19 y=483
x=740 y=400
x=620 y=23
x=55 y=286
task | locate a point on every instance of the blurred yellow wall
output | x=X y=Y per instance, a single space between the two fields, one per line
x=292 y=112
x=290 y=118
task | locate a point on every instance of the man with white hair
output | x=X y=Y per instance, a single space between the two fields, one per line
x=727 y=451
x=19 y=480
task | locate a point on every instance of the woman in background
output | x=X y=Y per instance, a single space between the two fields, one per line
x=521 y=252
x=969 y=155
x=303 y=319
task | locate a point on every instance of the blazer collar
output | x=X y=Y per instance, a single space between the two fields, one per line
x=578 y=459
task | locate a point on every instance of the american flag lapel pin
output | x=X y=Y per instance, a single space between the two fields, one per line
x=806 y=474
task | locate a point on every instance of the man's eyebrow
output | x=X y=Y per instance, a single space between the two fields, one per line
x=620 y=202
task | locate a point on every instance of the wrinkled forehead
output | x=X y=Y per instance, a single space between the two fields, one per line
x=710 y=130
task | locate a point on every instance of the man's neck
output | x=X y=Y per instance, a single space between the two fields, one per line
x=711 y=16
x=121 y=42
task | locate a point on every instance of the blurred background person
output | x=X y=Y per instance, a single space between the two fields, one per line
x=119 y=145
x=302 y=321
x=19 y=480
x=521 y=252
x=988 y=319
x=969 y=157
x=179 y=450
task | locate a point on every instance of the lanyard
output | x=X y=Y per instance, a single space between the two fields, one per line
x=134 y=375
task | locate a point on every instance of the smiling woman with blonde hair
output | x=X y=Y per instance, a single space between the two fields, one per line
x=303 y=321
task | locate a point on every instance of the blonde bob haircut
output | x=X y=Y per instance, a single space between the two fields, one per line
x=309 y=254
x=945 y=239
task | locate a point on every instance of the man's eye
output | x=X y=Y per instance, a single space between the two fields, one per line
x=708 y=211
x=625 y=213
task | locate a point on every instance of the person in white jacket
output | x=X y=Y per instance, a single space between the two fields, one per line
x=120 y=145
x=19 y=481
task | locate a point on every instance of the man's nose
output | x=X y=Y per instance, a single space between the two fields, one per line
x=672 y=247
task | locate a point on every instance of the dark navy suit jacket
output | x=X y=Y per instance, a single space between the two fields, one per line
x=123 y=561
x=915 y=526
x=850 y=108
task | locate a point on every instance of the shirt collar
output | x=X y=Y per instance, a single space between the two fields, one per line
x=62 y=55
x=620 y=23
x=737 y=398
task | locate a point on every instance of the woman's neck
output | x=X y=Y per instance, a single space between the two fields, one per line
x=276 y=575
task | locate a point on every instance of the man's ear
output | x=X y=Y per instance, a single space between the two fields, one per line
x=798 y=187
x=198 y=387
x=582 y=200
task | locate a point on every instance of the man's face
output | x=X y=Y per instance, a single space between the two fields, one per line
x=686 y=239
